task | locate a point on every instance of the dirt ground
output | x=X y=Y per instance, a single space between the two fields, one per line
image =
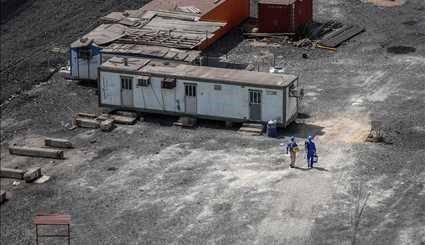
x=154 y=183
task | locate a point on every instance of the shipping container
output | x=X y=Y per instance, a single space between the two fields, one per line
x=284 y=16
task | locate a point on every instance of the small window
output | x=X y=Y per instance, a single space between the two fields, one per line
x=127 y=83
x=271 y=92
x=144 y=81
x=84 y=53
x=217 y=87
x=168 y=83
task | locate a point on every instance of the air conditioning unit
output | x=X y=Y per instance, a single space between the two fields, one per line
x=298 y=93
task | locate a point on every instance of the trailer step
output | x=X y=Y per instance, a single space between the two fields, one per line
x=253 y=125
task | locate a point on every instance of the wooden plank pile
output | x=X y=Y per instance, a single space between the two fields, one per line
x=335 y=38
x=104 y=121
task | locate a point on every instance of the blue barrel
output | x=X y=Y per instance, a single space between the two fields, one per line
x=271 y=129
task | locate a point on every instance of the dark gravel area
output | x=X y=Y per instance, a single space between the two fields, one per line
x=153 y=183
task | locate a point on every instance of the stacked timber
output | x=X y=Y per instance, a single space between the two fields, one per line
x=335 y=38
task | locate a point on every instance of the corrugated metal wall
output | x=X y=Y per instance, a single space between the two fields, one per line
x=284 y=17
x=233 y=12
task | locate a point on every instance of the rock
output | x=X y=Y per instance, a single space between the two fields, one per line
x=107 y=125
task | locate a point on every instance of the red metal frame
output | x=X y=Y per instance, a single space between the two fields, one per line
x=52 y=219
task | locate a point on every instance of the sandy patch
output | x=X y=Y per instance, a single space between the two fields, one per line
x=344 y=130
x=386 y=3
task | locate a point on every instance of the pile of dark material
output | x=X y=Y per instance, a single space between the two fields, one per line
x=31 y=31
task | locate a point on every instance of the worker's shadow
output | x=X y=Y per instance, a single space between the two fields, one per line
x=320 y=169
x=314 y=168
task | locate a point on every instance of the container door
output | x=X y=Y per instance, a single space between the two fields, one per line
x=190 y=98
x=127 y=91
x=255 y=105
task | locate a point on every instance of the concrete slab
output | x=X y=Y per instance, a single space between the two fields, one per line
x=36 y=152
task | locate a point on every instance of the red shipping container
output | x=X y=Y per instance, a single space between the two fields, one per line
x=284 y=16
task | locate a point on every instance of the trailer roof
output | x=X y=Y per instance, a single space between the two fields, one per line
x=242 y=77
x=205 y=73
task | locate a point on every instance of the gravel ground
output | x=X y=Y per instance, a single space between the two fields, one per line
x=153 y=183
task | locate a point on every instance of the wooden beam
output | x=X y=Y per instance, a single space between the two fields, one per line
x=32 y=174
x=58 y=143
x=36 y=152
x=12 y=173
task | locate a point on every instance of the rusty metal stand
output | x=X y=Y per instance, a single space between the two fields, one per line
x=52 y=219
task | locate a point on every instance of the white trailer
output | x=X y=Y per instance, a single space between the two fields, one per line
x=198 y=91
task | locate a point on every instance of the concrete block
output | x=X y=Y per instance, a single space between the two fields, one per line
x=32 y=174
x=107 y=125
x=2 y=197
x=36 y=152
x=12 y=173
x=58 y=143
x=87 y=122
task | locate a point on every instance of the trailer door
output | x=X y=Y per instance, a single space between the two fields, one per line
x=190 y=98
x=127 y=91
x=255 y=105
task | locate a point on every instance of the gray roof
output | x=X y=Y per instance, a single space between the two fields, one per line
x=204 y=73
x=160 y=28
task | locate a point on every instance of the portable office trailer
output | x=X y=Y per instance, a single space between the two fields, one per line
x=203 y=92
x=84 y=61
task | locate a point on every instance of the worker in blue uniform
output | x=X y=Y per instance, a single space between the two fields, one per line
x=310 y=148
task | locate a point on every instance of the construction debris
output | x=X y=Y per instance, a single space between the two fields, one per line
x=36 y=152
x=107 y=125
x=58 y=143
x=32 y=174
x=42 y=179
x=324 y=47
x=375 y=134
x=303 y=43
x=12 y=173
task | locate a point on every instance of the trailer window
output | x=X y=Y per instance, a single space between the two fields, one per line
x=144 y=81
x=217 y=87
x=126 y=83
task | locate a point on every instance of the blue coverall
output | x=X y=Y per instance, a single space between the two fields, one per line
x=311 y=151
